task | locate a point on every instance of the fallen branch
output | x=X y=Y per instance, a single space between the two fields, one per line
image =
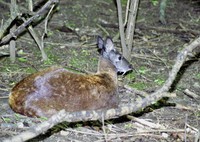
x=191 y=94
x=146 y=123
x=167 y=30
x=180 y=59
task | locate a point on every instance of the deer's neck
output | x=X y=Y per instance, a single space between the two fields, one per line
x=105 y=66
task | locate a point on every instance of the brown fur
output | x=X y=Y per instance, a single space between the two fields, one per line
x=48 y=91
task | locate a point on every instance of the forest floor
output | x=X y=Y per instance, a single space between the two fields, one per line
x=71 y=43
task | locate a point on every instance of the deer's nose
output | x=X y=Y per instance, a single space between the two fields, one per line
x=130 y=66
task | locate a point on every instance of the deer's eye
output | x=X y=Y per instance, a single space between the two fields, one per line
x=120 y=57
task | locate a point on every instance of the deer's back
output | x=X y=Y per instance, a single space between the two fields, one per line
x=46 y=92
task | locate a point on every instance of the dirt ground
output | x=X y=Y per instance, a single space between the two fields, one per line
x=71 y=42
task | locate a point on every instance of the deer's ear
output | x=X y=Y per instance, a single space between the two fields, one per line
x=100 y=42
x=109 y=45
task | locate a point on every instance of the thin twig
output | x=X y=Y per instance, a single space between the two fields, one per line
x=131 y=27
x=103 y=29
x=127 y=11
x=146 y=123
x=121 y=29
x=103 y=127
x=191 y=94
x=12 y=44
x=44 y=56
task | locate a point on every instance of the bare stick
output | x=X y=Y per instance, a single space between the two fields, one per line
x=131 y=26
x=163 y=5
x=104 y=131
x=146 y=123
x=12 y=44
x=33 y=33
x=180 y=59
x=39 y=42
x=127 y=10
x=44 y=56
x=22 y=27
x=121 y=29
x=191 y=94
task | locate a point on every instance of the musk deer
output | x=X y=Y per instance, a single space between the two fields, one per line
x=44 y=93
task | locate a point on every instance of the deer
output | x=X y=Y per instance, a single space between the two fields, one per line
x=44 y=93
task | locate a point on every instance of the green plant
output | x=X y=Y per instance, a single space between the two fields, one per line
x=138 y=85
x=159 y=81
x=79 y=125
x=17 y=116
x=43 y=118
x=154 y=2
x=21 y=59
x=198 y=75
x=85 y=52
x=131 y=75
x=128 y=125
x=6 y=120
x=30 y=70
x=143 y=70
x=48 y=62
